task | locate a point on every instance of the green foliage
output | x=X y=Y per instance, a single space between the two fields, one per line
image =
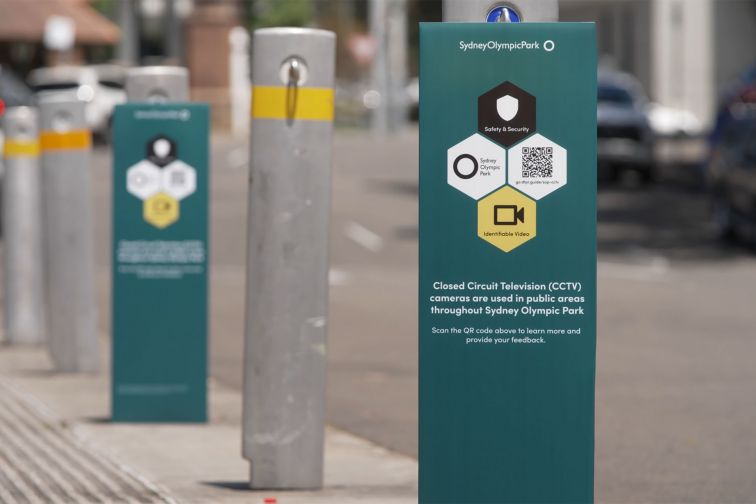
x=282 y=13
x=104 y=7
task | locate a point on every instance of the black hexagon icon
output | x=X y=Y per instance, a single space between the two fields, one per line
x=161 y=150
x=506 y=114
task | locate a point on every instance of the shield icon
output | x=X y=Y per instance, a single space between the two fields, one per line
x=507 y=107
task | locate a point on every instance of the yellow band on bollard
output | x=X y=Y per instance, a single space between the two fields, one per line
x=20 y=148
x=282 y=102
x=72 y=140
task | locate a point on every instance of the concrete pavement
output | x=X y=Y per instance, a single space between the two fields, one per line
x=58 y=445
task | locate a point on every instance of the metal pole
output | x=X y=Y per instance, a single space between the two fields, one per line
x=173 y=32
x=128 y=45
x=477 y=11
x=396 y=53
x=287 y=265
x=68 y=234
x=379 y=75
x=239 y=81
x=22 y=227
x=157 y=84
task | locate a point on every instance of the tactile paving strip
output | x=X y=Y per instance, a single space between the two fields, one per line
x=41 y=461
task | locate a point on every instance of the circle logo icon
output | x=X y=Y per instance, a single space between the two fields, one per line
x=470 y=167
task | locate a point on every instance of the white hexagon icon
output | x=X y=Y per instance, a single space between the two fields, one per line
x=537 y=166
x=143 y=179
x=179 y=180
x=476 y=166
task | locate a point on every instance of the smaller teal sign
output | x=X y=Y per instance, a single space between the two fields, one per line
x=160 y=263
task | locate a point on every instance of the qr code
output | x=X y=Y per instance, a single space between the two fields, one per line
x=537 y=162
x=177 y=178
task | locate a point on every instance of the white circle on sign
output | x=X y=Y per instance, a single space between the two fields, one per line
x=162 y=147
x=549 y=45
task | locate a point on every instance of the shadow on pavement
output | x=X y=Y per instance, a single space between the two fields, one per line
x=98 y=420
x=33 y=373
x=236 y=486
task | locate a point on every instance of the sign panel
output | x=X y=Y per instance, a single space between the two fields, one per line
x=507 y=262
x=160 y=262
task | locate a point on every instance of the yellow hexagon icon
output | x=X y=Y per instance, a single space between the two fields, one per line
x=506 y=218
x=161 y=210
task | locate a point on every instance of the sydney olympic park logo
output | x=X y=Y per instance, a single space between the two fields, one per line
x=495 y=45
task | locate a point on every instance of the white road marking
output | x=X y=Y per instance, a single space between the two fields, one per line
x=364 y=237
x=654 y=270
x=337 y=277
x=237 y=158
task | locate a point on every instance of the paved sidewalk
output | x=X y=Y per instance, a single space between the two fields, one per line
x=57 y=445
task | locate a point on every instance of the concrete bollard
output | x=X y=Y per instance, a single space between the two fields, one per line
x=68 y=235
x=157 y=84
x=287 y=271
x=479 y=11
x=22 y=228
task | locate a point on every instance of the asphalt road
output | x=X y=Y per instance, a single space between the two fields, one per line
x=676 y=409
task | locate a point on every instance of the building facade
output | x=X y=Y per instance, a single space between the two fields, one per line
x=684 y=52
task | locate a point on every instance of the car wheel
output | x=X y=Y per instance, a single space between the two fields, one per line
x=723 y=220
x=648 y=174
x=607 y=172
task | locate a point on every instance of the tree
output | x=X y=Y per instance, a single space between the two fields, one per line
x=281 y=13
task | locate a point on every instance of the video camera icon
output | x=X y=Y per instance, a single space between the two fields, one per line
x=508 y=215
x=513 y=221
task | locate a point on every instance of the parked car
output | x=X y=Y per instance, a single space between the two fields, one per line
x=625 y=138
x=740 y=91
x=413 y=97
x=731 y=174
x=674 y=123
x=13 y=91
x=101 y=87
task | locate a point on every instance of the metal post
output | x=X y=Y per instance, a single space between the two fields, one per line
x=173 y=33
x=22 y=227
x=68 y=234
x=388 y=27
x=287 y=272
x=157 y=84
x=379 y=78
x=128 y=46
x=239 y=83
x=477 y=11
x=396 y=54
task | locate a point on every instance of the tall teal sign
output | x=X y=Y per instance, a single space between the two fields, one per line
x=160 y=263
x=507 y=263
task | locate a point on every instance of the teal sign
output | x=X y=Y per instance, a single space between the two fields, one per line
x=160 y=263
x=507 y=263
